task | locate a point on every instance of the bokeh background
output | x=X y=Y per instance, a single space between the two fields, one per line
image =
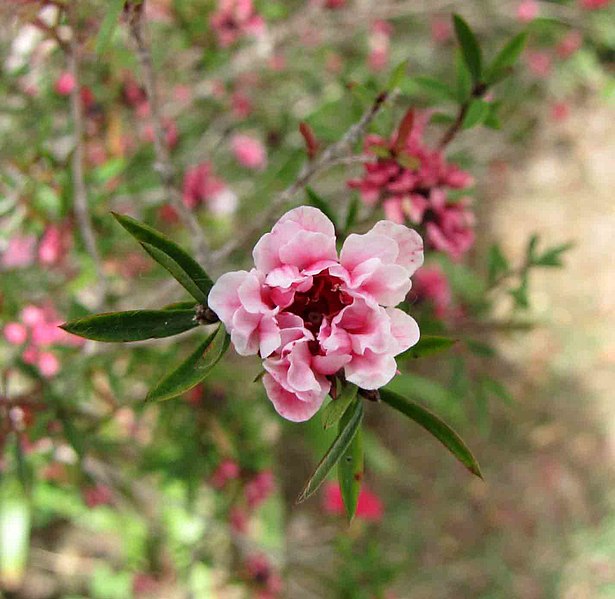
x=106 y=497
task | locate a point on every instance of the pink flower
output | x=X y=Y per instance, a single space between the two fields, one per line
x=539 y=63
x=65 y=84
x=96 y=495
x=238 y=520
x=200 y=185
x=241 y=105
x=249 y=151
x=15 y=333
x=259 y=489
x=369 y=506
x=52 y=247
x=527 y=11
x=560 y=111
x=234 y=19
x=48 y=364
x=379 y=45
x=19 y=252
x=310 y=314
x=431 y=284
x=441 y=30
x=260 y=571
x=569 y=44
x=449 y=225
x=593 y=4
x=226 y=470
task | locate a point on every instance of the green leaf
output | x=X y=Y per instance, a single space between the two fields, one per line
x=441 y=118
x=464 y=79
x=112 y=16
x=322 y=204
x=431 y=423
x=15 y=525
x=496 y=388
x=478 y=111
x=497 y=264
x=469 y=47
x=520 y=294
x=427 y=346
x=436 y=88
x=502 y=64
x=397 y=75
x=553 y=256
x=134 y=325
x=350 y=472
x=185 y=269
x=194 y=369
x=337 y=407
x=338 y=448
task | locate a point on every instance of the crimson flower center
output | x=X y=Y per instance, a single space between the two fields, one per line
x=324 y=299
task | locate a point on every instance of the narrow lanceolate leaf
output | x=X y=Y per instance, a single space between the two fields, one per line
x=323 y=205
x=397 y=76
x=335 y=410
x=470 y=48
x=436 y=88
x=505 y=59
x=194 y=369
x=112 y=16
x=478 y=111
x=350 y=472
x=338 y=448
x=135 y=325
x=427 y=346
x=168 y=254
x=439 y=429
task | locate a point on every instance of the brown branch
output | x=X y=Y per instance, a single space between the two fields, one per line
x=329 y=157
x=163 y=165
x=80 y=197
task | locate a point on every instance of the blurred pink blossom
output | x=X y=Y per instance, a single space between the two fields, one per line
x=539 y=63
x=259 y=569
x=379 y=41
x=241 y=105
x=19 y=252
x=441 y=30
x=15 y=333
x=431 y=284
x=569 y=44
x=249 y=151
x=200 y=185
x=227 y=470
x=369 y=505
x=53 y=245
x=96 y=495
x=527 y=11
x=234 y=19
x=259 y=488
x=65 y=84
x=593 y=4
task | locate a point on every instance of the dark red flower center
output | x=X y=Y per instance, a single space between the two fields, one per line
x=325 y=299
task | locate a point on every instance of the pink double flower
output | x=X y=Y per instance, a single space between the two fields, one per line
x=312 y=315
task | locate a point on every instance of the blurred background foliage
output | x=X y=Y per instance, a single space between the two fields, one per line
x=105 y=496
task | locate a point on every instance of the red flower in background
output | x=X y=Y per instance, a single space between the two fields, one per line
x=369 y=505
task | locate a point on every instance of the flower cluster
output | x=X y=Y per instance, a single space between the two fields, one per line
x=37 y=332
x=234 y=19
x=310 y=314
x=202 y=186
x=412 y=182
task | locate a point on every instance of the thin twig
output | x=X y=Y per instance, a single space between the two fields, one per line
x=80 y=197
x=163 y=165
x=330 y=156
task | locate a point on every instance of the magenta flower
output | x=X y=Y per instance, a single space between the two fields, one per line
x=310 y=314
x=249 y=151
x=19 y=252
x=593 y=4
